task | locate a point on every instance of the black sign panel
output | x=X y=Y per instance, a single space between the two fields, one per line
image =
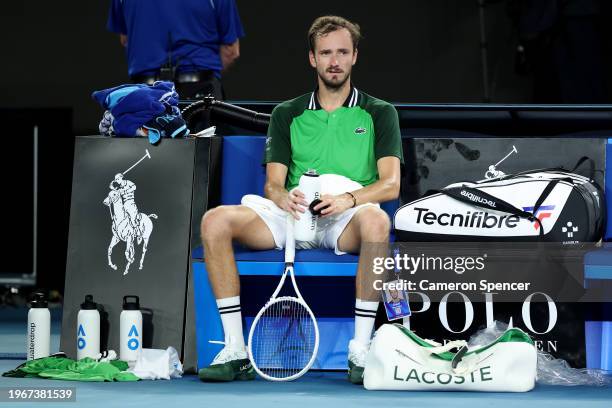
x=557 y=328
x=432 y=164
x=134 y=214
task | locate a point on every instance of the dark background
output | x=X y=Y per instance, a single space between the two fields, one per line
x=55 y=54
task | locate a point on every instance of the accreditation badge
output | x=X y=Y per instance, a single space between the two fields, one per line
x=396 y=301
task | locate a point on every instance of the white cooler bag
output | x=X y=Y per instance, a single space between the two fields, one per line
x=400 y=360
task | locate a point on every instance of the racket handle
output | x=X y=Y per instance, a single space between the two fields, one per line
x=290 y=240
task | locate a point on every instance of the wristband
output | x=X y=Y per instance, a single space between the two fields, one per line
x=354 y=199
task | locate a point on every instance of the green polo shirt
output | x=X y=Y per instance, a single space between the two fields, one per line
x=347 y=141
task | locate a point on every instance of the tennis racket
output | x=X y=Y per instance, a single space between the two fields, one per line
x=284 y=337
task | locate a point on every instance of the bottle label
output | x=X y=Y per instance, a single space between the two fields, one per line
x=81 y=343
x=133 y=343
x=32 y=339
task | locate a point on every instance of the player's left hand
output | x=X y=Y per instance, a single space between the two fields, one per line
x=333 y=204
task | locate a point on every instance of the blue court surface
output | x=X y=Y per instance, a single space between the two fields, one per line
x=316 y=389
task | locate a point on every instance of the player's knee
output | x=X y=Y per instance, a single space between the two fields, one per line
x=376 y=225
x=216 y=223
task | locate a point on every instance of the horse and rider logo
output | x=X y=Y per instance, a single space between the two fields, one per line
x=492 y=172
x=128 y=224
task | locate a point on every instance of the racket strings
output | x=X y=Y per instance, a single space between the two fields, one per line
x=284 y=338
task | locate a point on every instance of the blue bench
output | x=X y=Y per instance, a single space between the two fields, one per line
x=598 y=267
x=243 y=173
x=598 y=333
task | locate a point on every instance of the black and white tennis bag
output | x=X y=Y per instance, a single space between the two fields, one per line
x=538 y=205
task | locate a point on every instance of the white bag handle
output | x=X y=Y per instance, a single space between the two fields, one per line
x=466 y=364
x=461 y=364
x=447 y=347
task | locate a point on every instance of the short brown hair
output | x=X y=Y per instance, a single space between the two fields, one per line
x=327 y=24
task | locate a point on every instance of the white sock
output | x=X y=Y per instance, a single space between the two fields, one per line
x=231 y=319
x=365 y=314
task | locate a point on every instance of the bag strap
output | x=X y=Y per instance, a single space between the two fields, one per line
x=479 y=198
x=545 y=193
x=582 y=160
x=456 y=344
x=464 y=364
x=460 y=364
x=459 y=357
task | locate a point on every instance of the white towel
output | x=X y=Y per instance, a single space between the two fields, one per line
x=155 y=364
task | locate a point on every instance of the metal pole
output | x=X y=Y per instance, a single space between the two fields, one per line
x=35 y=205
x=483 y=51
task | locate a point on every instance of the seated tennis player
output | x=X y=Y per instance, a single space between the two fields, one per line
x=336 y=129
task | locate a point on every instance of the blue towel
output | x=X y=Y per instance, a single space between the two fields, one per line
x=168 y=125
x=133 y=106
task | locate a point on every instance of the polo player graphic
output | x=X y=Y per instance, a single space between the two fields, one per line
x=492 y=172
x=126 y=189
x=128 y=224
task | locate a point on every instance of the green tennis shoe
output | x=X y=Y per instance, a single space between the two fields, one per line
x=230 y=364
x=356 y=361
x=355 y=373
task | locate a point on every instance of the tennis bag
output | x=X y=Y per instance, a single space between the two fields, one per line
x=537 y=205
x=400 y=360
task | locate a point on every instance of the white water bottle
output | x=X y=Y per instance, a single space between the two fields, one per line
x=306 y=227
x=39 y=328
x=130 y=333
x=88 y=329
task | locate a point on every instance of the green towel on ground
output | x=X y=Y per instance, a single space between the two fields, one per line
x=61 y=368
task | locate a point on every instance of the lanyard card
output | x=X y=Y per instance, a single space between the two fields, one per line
x=396 y=302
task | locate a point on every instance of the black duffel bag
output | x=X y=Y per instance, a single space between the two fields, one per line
x=550 y=205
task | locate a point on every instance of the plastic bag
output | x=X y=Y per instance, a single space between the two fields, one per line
x=156 y=364
x=551 y=370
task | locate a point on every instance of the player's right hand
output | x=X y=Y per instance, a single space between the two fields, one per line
x=295 y=203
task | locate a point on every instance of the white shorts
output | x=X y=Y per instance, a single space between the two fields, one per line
x=328 y=229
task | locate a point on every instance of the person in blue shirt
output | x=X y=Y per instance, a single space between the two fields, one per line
x=189 y=42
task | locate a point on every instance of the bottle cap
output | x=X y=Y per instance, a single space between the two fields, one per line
x=134 y=305
x=39 y=301
x=89 y=304
x=311 y=173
